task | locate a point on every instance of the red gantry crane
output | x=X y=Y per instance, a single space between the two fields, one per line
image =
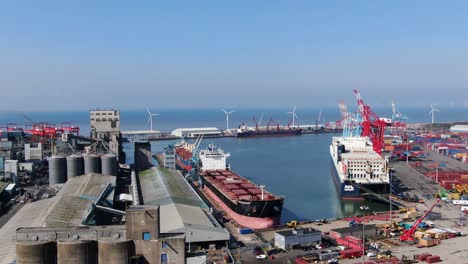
x=372 y=126
x=408 y=234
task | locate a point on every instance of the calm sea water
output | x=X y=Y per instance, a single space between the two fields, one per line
x=296 y=167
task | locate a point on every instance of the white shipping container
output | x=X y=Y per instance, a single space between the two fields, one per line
x=460 y=202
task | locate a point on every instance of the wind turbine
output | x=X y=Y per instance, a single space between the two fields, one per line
x=317 y=121
x=433 y=110
x=227 y=117
x=294 y=116
x=150 y=119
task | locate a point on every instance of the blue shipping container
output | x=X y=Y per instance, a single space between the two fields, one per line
x=245 y=231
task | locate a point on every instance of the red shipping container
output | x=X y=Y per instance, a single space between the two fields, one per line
x=433 y=259
x=342 y=242
x=335 y=235
x=300 y=261
x=423 y=257
x=354 y=239
x=348 y=253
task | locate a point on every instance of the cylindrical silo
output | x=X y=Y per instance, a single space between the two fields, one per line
x=36 y=252
x=77 y=252
x=114 y=251
x=109 y=164
x=57 y=170
x=75 y=166
x=92 y=163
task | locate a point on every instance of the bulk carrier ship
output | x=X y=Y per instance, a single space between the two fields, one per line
x=243 y=201
x=356 y=168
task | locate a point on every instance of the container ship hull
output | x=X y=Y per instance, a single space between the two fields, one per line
x=254 y=213
x=346 y=189
x=269 y=133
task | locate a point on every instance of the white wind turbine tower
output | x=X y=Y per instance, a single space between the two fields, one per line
x=227 y=117
x=294 y=116
x=433 y=110
x=150 y=119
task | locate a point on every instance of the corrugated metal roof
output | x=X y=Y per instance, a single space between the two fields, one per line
x=181 y=209
x=76 y=197
x=459 y=128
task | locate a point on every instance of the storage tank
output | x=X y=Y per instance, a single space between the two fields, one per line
x=36 y=252
x=75 y=166
x=114 y=251
x=109 y=164
x=57 y=170
x=92 y=163
x=77 y=252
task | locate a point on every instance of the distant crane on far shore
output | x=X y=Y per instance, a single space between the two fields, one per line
x=433 y=110
x=227 y=117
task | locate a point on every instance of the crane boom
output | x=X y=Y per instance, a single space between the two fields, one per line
x=408 y=235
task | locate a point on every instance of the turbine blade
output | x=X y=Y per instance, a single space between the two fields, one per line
x=147 y=109
x=294 y=109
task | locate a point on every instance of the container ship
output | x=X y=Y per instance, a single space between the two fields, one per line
x=244 y=131
x=183 y=155
x=246 y=203
x=356 y=168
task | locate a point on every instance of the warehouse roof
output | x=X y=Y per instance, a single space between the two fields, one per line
x=181 y=132
x=181 y=209
x=352 y=229
x=459 y=128
x=76 y=199
x=197 y=129
x=291 y=233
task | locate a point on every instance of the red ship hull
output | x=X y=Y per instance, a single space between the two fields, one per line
x=242 y=220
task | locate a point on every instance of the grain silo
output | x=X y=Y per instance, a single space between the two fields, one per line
x=36 y=252
x=75 y=166
x=109 y=164
x=114 y=251
x=77 y=252
x=57 y=170
x=92 y=163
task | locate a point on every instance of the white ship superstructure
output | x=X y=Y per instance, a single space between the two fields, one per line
x=213 y=159
x=357 y=168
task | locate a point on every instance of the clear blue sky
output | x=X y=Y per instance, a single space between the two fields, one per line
x=201 y=54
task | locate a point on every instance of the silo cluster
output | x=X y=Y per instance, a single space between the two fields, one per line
x=74 y=252
x=62 y=168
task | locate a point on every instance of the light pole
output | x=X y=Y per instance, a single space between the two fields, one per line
x=390 y=196
x=363 y=208
x=407 y=153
